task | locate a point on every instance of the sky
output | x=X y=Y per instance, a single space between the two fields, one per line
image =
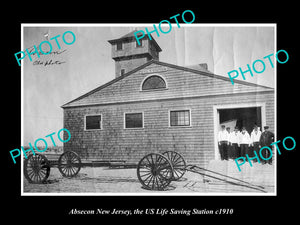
x=54 y=79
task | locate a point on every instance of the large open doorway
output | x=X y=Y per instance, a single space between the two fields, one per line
x=240 y=115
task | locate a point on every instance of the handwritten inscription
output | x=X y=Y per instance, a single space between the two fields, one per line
x=48 y=62
x=38 y=50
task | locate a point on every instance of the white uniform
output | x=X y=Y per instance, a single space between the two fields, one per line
x=245 y=138
x=245 y=142
x=255 y=136
x=223 y=136
x=234 y=137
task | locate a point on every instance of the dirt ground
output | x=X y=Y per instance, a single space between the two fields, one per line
x=104 y=180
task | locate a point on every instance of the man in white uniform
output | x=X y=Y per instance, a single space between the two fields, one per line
x=245 y=142
x=223 y=143
x=255 y=136
x=234 y=144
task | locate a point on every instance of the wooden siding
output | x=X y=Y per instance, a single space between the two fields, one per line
x=195 y=143
x=181 y=83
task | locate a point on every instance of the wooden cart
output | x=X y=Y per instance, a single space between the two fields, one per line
x=156 y=171
x=37 y=167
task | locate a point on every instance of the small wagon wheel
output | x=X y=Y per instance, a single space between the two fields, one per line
x=69 y=164
x=36 y=168
x=178 y=164
x=155 y=171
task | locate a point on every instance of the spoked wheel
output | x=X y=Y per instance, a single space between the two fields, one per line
x=155 y=171
x=36 y=168
x=178 y=164
x=69 y=164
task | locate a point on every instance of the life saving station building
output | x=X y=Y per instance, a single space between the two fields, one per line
x=153 y=106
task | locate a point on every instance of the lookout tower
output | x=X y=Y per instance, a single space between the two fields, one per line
x=128 y=54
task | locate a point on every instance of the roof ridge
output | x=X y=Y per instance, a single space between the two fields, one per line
x=210 y=74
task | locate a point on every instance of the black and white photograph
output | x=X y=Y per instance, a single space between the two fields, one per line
x=144 y=109
x=151 y=112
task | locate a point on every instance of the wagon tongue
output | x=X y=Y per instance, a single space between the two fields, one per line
x=222 y=177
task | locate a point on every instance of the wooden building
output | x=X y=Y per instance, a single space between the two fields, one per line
x=153 y=106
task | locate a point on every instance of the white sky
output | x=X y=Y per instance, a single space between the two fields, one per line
x=89 y=64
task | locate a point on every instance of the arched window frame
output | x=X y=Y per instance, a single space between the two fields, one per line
x=158 y=89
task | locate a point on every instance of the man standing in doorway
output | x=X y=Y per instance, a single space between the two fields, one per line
x=234 y=143
x=223 y=143
x=244 y=142
x=266 y=139
x=255 y=137
x=228 y=153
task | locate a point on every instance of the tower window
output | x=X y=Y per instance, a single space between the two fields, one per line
x=119 y=46
x=154 y=82
x=122 y=71
x=141 y=44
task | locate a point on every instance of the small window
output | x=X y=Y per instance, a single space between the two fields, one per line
x=119 y=46
x=133 y=120
x=122 y=71
x=154 y=82
x=93 y=122
x=180 y=118
x=139 y=45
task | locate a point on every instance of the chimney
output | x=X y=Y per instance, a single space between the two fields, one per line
x=204 y=65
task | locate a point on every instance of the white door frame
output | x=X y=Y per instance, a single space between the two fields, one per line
x=216 y=113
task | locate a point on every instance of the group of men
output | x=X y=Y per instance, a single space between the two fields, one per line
x=239 y=143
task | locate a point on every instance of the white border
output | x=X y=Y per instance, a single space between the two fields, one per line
x=133 y=128
x=147 y=24
x=179 y=109
x=101 y=124
x=274 y=25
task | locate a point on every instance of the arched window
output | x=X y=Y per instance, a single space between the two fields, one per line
x=154 y=82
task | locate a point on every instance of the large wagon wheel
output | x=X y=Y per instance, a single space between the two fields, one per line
x=178 y=164
x=36 y=168
x=69 y=164
x=155 y=171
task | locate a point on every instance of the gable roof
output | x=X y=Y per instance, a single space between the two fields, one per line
x=202 y=72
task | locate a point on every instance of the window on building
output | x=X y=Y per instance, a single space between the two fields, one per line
x=139 y=45
x=154 y=82
x=134 y=120
x=119 y=45
x=93 y=122
x=122 y=71
x=180 y=118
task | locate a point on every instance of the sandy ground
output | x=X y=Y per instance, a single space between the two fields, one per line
x=98 y=180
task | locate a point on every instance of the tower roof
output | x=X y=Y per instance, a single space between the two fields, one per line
x=131 y=36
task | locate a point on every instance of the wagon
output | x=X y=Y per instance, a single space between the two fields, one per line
x=156 y=171
x=37 y=166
